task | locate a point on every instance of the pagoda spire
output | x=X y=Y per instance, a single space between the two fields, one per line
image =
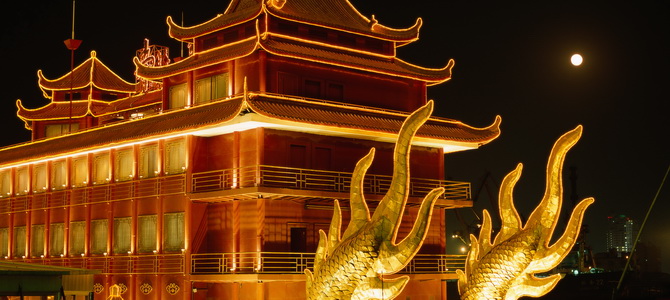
x=72 y=44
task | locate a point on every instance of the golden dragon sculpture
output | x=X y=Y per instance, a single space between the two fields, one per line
x=352 y=265
x=506 y=268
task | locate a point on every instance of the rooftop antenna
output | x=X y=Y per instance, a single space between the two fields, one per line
x=72 y=44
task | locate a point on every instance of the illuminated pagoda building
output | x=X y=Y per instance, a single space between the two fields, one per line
x=211 y=176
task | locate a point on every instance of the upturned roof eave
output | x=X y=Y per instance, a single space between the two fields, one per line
x=403 y=69
x=192 y=62
x=364 y=26
x=221 y=21
x=193 y=120
x=88 y=70
x=82 y=108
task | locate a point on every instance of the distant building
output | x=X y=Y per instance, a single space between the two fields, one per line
x=621 y=232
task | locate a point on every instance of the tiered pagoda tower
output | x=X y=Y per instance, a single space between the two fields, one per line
x=214 y=183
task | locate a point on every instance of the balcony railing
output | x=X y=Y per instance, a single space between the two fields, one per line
x=296 y=263
x=316 y=180
x=122 y=264
x=117 y=191
x=231 y=263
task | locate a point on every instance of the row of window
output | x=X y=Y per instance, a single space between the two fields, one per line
x=61 y=129
x=205 y=90
x=173 y=237
x=292 y=84
x=333 y=37
x=74 y=172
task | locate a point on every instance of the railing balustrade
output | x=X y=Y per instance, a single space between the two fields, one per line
x=231 y=263
x=317 y=180
x=117 y=191
x=296 y=263
x=119 y=264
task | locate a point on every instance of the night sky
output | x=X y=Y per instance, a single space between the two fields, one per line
x=512 y=60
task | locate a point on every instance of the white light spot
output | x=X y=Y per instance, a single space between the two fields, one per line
x=576 y=60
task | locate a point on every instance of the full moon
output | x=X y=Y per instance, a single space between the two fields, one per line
x=576 y=60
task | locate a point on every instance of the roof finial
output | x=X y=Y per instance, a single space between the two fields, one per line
x=278 y=4
x=71 y=43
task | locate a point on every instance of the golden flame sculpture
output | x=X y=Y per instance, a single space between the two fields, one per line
x=506 y=268
x=352 y=265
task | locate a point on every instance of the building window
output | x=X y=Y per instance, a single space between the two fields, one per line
x=288 y=28
x=101 y=168
x=173 y=232
x=123 y=165
x=175 y=156
x=287 y=84
x=122 y=235
x=109 y=97
x=75 y=96
x=4 y=242
x=57 y=239
x=335 y=91
x=211 y=88
x=39 y=178
x=37 y=240
x=58 y=175
x=60 y=129
x=346 y=39
x=77 y=237
x=146 y=233
x=231 y=36
x=99 y=236
x=312 y=88
x=19 y=241
x=79 y=175
x=177 y=96
x=210 y=42
x=298 y=157
x=21 y=181
x=5 y=183
x=148 y=166
x=318 y=34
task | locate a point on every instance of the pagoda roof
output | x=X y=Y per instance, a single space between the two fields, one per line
x=60 y=110
x=305 y=51
x=91 y=72
x=283 y=112
x=335 y=14
x=207 y=58
x=366 y=118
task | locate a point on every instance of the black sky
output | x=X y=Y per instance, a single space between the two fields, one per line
x=512 y=60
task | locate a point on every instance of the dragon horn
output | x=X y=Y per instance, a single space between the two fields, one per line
x=511 y=222
x=398 y=256
x=360 y=214
x=335 y=226
x=392 y=205
x=546 y=214
x=550 y=257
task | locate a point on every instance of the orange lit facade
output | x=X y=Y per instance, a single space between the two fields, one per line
x=211 y=176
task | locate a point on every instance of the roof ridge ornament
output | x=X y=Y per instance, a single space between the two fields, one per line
x=278 y=4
